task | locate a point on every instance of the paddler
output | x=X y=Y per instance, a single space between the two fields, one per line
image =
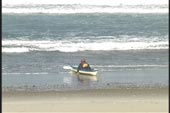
x=83 y=65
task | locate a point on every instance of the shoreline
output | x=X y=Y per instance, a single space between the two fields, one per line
x=98 y=100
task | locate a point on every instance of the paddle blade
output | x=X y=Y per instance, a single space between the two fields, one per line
x=67 y=67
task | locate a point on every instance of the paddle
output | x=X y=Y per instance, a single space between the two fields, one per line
x=67 y=67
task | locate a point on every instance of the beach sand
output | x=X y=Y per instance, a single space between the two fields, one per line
x=98 y=100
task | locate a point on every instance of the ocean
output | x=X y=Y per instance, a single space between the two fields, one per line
x=127 y=43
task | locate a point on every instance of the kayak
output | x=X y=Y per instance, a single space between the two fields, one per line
x=85 y=72
x=83 y=77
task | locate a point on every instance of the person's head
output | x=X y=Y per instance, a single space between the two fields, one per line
x=83 y=60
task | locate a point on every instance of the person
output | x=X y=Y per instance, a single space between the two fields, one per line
x=83 y=65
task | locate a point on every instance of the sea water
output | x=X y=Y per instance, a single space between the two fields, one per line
x=127 y=43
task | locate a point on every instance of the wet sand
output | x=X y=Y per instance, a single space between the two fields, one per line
x=98 y=100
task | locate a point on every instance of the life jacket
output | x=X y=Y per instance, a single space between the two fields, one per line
x=85 y=65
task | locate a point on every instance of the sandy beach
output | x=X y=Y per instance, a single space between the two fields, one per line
x=99 y=100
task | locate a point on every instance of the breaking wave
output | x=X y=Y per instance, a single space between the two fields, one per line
x=85 y=6
x=19 y=46
x=75 y=8
x=89 y=2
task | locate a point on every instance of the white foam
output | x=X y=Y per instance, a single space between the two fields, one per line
x=71 y=46
x=89 y=2
x=15 y=50
x=85 y=6
x=37 y=73
x=70 y=9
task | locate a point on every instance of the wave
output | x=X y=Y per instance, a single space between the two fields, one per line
x=78 y=8
x=127 y=66
x=110 y=68
x=38 y=73
x=89 y=2
x=19 y=46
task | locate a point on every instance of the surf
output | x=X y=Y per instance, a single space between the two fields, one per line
x=74 y=8
x=19 y=46
x=85 y=6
